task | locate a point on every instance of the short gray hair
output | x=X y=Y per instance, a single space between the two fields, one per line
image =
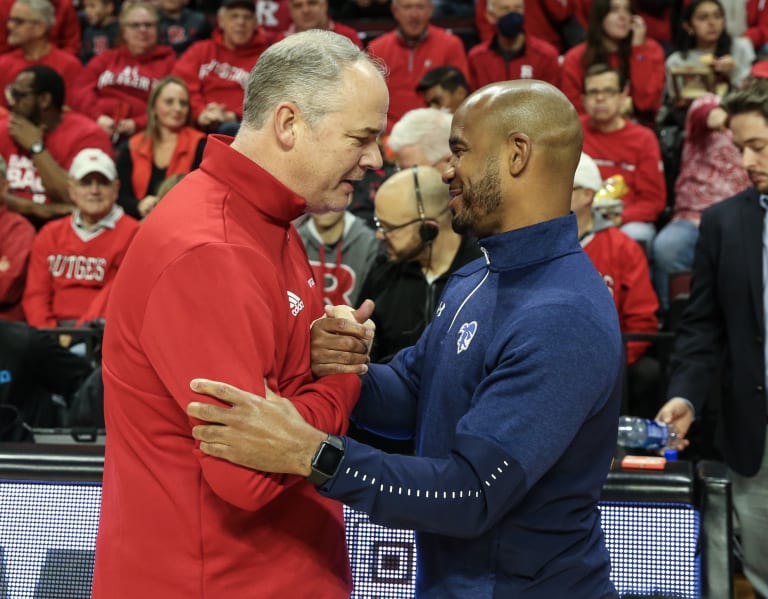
x=427 y=128
x=43 y=8
x=305 y=68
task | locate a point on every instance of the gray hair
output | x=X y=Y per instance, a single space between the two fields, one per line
x=305 y=68
x=43 y=8
x=427 y=128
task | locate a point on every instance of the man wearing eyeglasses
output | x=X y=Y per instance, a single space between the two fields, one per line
x=39 y=140
x=422 y=250
x=65 y=33
x=622 y=147
x=29 y=26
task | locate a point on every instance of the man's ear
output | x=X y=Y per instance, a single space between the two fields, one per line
x=286 y=120
x=518 y=152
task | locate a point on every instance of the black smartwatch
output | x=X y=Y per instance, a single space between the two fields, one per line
x=327 y=459
x=36 y=148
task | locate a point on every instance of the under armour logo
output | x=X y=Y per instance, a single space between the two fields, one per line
x=295 y=303
x=440 y=309
x=466 y=334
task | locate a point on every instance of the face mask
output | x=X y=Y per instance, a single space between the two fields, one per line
x=511 y=24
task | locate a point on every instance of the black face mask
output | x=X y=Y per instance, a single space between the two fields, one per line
x=510 y=24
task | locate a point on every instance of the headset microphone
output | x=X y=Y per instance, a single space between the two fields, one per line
x=427 y=230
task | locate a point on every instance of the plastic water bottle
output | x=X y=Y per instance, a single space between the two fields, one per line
x=645 y=434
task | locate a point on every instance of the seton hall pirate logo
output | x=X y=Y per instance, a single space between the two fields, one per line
x=466 y=334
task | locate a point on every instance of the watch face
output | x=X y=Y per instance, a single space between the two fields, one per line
x=328 y=459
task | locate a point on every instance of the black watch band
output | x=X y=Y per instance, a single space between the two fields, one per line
x=327 y=460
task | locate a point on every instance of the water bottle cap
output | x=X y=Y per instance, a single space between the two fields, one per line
x=670 y=453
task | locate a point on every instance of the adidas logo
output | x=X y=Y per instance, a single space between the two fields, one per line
x=295 y=303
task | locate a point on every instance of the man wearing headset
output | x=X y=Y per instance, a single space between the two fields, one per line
x=422 y=250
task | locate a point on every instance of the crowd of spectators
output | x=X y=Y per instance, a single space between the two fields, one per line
x=106 y=104
x=146 y=83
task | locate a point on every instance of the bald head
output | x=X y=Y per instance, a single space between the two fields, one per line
x=535 y=108
x=527 y=136
x=401 y=188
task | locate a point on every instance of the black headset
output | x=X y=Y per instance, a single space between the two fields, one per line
x=428 y=230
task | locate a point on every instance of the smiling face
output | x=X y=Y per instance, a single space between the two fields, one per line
x=139 y=29
x=342 y=145
x=94 y=195
x=172 y=106
x=473 y=176
x=617 y=24
x=750 y=134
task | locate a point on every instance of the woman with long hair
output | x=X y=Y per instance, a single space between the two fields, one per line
x=705 y=42
x=617 y=36
x=169 y=146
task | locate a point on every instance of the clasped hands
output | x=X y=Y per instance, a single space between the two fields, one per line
x=268 y=433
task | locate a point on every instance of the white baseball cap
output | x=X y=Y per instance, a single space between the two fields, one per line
x=92 y=160
x=587 y=174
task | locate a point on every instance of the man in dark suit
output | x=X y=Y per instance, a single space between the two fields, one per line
x=724 y=327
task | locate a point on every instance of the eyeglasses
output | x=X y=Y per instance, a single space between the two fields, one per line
x=387 y=230
x=141 y=25
x=14 y=93
x=608 y=92
x=15 y=21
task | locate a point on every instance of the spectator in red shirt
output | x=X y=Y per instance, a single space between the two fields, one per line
x=313 y=14
x=38 y=142
x=757 y=24
x=511 y=53
x=410 y=50
x=623 y=266
x=114 y=86
x=29 y=26
x=64 y=33
x=622 y=147
x=16 y=235
x=215 y=70
x=74 y=258
x=617 y=36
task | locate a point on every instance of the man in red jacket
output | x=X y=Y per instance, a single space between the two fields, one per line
x=622 y=147
x=512 y=53
x=215 y=70
x=29 y=26
x=412 y=49
x=217 y=281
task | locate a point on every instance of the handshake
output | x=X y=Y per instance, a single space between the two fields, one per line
x=341 y=340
